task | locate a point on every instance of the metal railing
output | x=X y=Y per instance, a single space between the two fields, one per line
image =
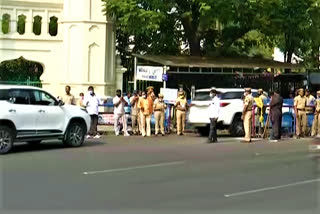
x=289 y=119
x=28 y=83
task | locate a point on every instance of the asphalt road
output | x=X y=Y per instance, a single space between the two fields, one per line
x=161 y=175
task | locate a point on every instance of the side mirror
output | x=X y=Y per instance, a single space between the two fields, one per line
x=60 y=103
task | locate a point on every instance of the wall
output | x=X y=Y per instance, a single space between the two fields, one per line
x=81 y=54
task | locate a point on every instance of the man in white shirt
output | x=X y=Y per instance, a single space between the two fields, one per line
x=214 y=111
x=119 y=113
x=92 y=102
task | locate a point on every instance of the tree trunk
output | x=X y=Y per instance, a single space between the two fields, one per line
x=289 y=56
x=192 y=37
x=288 y=60
x=195 y=49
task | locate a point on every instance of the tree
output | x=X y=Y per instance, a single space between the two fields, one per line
x=291 y=21
x=203 y=26
x=218 y=27
x=20 y=70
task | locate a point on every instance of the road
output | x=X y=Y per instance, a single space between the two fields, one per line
x=168 y=174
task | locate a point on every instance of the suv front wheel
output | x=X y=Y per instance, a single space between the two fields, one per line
x=236 y=128
x=6 y=139
x=75 y=134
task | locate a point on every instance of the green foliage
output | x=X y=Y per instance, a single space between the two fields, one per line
x=21 y=24
x=37 y=25
x=218 y=27
x=291 y=21
x=53 y=26
x=20 y=70
x=6 y=23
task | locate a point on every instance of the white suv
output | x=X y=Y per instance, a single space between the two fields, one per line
x=230 y=112
x=31 y=115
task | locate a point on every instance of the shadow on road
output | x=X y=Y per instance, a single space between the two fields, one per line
x=48 y=145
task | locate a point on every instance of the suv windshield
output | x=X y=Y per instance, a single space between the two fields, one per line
x=205 y=95
x=3 y=94
x=202 y=96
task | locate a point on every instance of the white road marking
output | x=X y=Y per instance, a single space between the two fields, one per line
x=271 y=188
x=135 y=167
x=252 y=139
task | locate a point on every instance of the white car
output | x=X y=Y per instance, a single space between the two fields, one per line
x=30 y=114
x=230 y=112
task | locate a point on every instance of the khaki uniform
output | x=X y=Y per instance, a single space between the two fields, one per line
x=145 y=117
x=181 y=105
x=135 y=116
x=247 y=117
x=159 y=114
x=301 y=116
x=316 y=120
x=139 y=115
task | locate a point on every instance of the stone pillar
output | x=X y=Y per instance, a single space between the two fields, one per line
x=45 y=24
x=120 y=70
x=13 y=24
x=29 y=22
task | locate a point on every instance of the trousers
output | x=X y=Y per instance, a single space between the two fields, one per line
x=117 y=119
x=159 y=120
x=93 y=126
x=301 y=123
x=213 y=130
x=181 y=120
x=146 y=125
x=135 y=124
x=247 y=124
x=316 y=125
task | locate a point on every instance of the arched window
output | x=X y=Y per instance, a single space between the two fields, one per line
x=37 y=25
x=53 y=26
x=21 y=24
x=5 y=23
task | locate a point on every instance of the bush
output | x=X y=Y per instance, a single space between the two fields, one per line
x=20 y=70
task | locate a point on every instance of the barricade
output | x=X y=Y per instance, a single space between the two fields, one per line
x=106 y=117
x=288 y=118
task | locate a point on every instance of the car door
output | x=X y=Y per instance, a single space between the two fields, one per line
x=21 y=112
x=50 y=119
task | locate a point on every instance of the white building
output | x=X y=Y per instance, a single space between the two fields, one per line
x=82 y=53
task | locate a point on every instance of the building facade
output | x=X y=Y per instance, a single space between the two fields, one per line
x=78 y=51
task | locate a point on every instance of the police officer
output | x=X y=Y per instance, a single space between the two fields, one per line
x=300 y=102
x=159 y=108
x=182 y=107
x=316 y=121
x=214 y=111
x=247 y=115
x=134 y=100
x=309 y=108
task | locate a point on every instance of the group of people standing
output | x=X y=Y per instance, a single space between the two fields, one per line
x=275 y=114
x=142 y=105
x=306 y=104
x=90 y=101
